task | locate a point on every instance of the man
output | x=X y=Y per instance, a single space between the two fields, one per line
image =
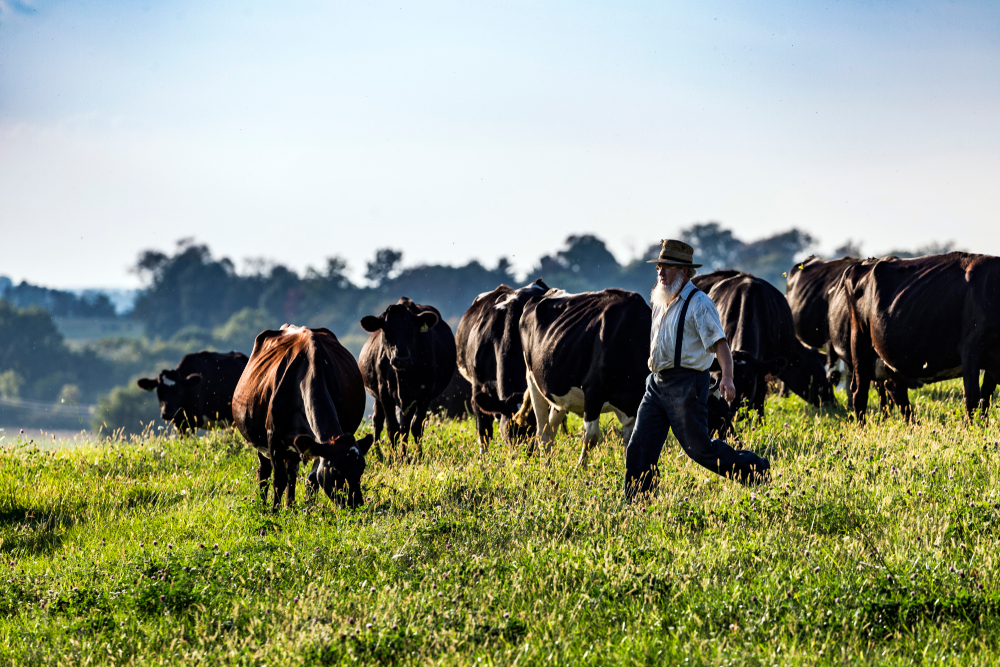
x=686 y=324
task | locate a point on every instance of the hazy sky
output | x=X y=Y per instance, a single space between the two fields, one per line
x=452 y=131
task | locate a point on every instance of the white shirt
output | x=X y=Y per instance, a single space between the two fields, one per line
x=702 y=330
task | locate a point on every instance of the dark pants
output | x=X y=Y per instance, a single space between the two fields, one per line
x=678 y=399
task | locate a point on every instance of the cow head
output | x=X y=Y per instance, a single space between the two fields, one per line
x=806 y=377
x=403 y=331
x=506 y=338
x=750 y=377
x=179 y=397
x=342 y=462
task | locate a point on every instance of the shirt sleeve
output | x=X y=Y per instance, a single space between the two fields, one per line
x=709 y=324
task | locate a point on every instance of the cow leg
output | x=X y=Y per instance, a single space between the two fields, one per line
x=593 y=403
x=543 y=415
x=986 y=393
x=417 y=428
x=280 y=481
x=378 y=419
x=392 y=424
x=628 y=423
x=263 y=476
x=863 y=360
x=484 y=428
x=884 y=400
x=292 y=466
x=970 y=377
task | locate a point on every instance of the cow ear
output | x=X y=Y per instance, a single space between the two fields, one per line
x=365 y=443
x=370 y=323
x=148 y=384
x=426 y=321
x=191 y=380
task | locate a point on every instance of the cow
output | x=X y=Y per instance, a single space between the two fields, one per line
x=758 y=325
x=489 y=356
x=302 y=397
x=199 y=392
x=586 y=354
x=927 y=319
x=407 y=361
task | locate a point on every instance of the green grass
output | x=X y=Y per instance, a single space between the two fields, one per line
x=874 y=545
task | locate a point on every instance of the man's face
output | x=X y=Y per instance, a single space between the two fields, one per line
x=668 y=273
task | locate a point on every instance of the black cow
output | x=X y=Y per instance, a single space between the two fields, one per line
x=928 y=319
x=301 y=396
x=587 y=354
x=406 y=363
x=488 y=343
x=199 y=392
x=758 y=325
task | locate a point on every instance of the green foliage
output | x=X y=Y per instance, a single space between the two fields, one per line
x=127 y=410
x=239 y=332
x=35 y=360
x=10 y=384
x=872 y=545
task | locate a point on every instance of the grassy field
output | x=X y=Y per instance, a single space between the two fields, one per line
x=874 y=545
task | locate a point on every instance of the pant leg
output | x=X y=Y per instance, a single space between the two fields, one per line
x=687 y=410
x=642 y=452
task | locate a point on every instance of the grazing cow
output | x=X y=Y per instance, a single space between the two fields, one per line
x=455 y=402
x=490 y=357
x=587 y=354
x=928 y=319
x=759 y=328
x=406 y=363
x=199 y=392
x=302 y=396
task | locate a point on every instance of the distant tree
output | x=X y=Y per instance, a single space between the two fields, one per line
x=850 y=248
x=584 y=264
x=32 y=348
x=932 y=248
x=714 y=247
x=239 y=332
x=383 y=267
x=127 y=410
x=58 y=302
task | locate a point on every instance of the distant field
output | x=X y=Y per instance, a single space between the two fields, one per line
x=876 y=545
x=81 y=329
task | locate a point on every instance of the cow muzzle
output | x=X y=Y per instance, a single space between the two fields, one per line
x=400 y=363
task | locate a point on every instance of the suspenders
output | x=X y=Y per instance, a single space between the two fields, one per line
x=680 y=329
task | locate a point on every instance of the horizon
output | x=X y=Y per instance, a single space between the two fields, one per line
x=456 y=132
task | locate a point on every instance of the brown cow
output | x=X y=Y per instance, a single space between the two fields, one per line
x=301 y=396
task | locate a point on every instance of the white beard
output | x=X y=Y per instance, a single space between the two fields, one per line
x=663 y=295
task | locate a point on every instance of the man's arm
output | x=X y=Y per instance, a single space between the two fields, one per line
x=725 y=357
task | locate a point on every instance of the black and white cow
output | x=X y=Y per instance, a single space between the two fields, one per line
x=587 y=354
x=406 y=363
x=488 y=343
x=199 y=392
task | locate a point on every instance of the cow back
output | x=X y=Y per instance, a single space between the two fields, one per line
x=312 y=366
x=576 y=340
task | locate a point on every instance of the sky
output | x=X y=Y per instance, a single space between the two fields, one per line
x=452 y=131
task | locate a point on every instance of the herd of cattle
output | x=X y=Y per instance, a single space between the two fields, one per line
x=526 y=357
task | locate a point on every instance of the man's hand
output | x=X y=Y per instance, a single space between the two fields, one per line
x=727 y=389
x=726 y=386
